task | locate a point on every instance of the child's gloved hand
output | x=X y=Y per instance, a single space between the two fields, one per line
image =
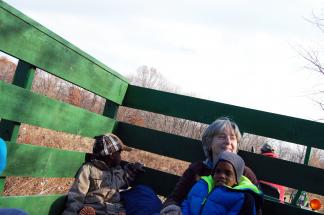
x=87 y=210
x=171 y=210
x=132 y=169
x=122 y=212
x=137 y=167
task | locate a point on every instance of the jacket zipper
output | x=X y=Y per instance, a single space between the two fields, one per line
x=203 y=205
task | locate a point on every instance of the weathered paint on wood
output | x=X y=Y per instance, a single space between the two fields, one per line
x=21 y=105
x=25 y=39
x=38 y=161
x=262 y=123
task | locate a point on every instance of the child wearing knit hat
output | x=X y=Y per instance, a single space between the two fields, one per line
x=97 y=185
x=228 y=169
x=225 y=191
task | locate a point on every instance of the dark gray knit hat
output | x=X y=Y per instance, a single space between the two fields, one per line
x=234 y=159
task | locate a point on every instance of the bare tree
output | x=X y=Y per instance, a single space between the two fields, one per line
x=314 y=58
x=7 y=69
x=151 y=78
x=283 y=151
x=315 y=159
x=250 y=141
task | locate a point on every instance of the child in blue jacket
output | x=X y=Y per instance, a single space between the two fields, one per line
x=226 y=191
x=3 y=162
x=3 y=155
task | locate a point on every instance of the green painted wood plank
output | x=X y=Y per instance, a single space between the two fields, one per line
x=23 y=77
x=2 y=183
x=20 y=105
x=154 y=179
x=35 y=205
x=285 y=172
x=190 y=150
x=110 y=109
x=262 y=123
x=46 y=31
x=54 y=205
x=9 y=130
x=25 y=39
x=159 y=142
x=276 y=208
x=37 y=161
x=306 y=160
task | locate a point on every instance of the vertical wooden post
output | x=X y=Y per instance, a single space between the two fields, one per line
x=9 y=130
x=306 y=160
x=110 y=110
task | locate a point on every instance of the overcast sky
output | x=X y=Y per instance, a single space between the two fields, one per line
x=236 y=52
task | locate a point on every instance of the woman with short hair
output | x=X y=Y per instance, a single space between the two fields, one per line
x=222 y=135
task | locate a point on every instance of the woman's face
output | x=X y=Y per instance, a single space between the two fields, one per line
x=225 y=140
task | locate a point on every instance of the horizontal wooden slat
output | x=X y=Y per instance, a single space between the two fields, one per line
x=54 y=204
x=26 y=39
x=285 y=172
x=18 y=104
x=159 y=142
x=269 y=169
x=262 y=123
x=37 y=161
x=161 y=182
x=276 y=208
x=35 y=205
x=147 y=178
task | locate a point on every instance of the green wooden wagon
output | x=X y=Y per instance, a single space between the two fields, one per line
x=37 y=47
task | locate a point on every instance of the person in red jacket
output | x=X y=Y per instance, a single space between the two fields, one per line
x=268 y=150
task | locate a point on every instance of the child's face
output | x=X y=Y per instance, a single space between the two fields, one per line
x=115 y=158
x=224 y=174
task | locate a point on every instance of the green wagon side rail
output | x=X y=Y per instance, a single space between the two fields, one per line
x=27 y=40
x=37 y=47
